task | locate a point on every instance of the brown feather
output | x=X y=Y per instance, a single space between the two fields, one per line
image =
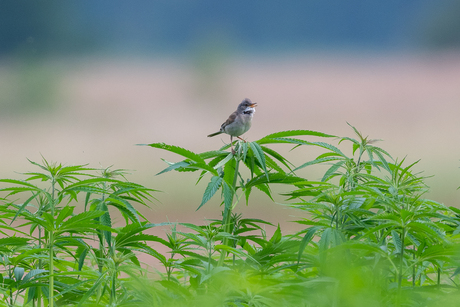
x=229 y=120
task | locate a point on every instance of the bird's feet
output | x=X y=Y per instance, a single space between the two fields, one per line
x=242 y=139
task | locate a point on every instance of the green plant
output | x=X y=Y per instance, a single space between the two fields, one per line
x=370 y=238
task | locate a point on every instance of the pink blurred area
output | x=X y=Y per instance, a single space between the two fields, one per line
x=103 y=107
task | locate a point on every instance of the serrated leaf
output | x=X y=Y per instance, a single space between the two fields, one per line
x=276 y=236
x=305 y=240
x=297 y=132
x=332 y=170
x=18 y=273
x=223 y=161
x=317 y=161
x=211 y=189
x=396 y=241
x=179 y=150
x=276 y=155
x=281 y=178
x=260 y=156
x=228 y=196
x=173 y=167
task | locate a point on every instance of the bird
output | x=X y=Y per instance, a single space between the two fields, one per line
x=238 y=122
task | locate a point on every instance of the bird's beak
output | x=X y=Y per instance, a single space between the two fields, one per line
x=254 y=105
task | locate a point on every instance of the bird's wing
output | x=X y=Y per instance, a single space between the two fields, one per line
x=229 y=120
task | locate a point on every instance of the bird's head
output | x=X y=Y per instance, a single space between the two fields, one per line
x=247 y=106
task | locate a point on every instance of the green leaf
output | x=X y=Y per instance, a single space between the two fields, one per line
x=211 y=189
x=259 y=154
x=224 y=161
x=396 y=241
x=178 y=150
x=22 y=207
x=276 y=155
x=229 y=172
x=83 y=222
x=297 y=132
x=274 y=178
x=228 y=196
x=173 y=167
x=317 y=161
x=18 y=273
x=276 y=236
x=202 y=166
x=332 y=170
x=325 y=239
x=95 y=285
x=306 y=239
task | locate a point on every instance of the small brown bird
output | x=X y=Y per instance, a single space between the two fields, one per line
x=239 y=121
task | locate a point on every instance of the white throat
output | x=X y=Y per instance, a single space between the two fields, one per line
x=249 y=111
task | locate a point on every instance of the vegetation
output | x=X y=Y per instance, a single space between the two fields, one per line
x=370 y=238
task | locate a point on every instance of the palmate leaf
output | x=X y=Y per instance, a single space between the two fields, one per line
x=95 y=285
x=228 y=196
x=211 y=189
x=199 y=166
x=178 y=150
x=426 y=230
x=13 y=241
x=22 y=186
x=276 y=155
x=229 y=172
x=213 y=154
x=90 y=183
x=302 y=142
x=331 y=171
x=260 y=156
x=281 y=178
x=317 y=161
x=438 y=252
x=297 y=133
x=83 y=222
x=266 y=189
x=396 y=241
x=23 y=206
x=121 y=202
x=271 y=164
x=174 y=166
x=307 y=239
x=223 y=161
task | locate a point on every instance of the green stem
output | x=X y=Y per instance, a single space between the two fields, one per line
x=401 y=258
x=51 y=250
x=51 y=268
x=100 y=262
x=114 y=288
x=228 y=212
x=413 y=270
x=439 y=277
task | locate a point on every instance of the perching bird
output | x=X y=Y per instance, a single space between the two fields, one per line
x=238 y=122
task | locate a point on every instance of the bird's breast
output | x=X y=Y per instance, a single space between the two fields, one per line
x=240 y=125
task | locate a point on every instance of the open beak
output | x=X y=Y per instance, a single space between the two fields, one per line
x=254 y=105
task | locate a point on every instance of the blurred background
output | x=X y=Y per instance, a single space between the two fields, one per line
x=84 y=81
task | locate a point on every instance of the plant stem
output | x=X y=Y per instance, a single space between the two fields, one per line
x=228 y=211
x=439 y=276
x=401 y=258
x=413 y=270
x=51 y=268
x=51 y=250
x=114 y=288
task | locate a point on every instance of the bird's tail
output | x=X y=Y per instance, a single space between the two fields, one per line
x=214 y=134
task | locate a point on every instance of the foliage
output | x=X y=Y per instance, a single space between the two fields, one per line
x=370 y=238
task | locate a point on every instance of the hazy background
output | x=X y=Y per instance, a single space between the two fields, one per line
x=84 y=81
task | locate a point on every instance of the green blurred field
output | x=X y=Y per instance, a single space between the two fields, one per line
x=94 y=110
